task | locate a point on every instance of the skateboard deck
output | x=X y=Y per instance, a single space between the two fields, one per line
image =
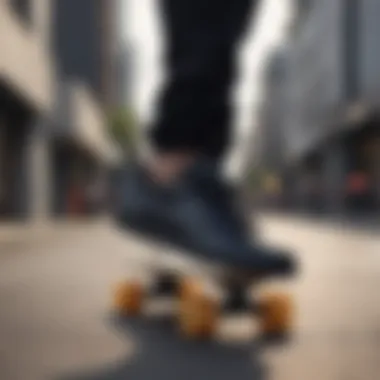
x=203 y=292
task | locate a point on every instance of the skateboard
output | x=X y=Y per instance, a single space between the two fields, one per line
x=203 y=292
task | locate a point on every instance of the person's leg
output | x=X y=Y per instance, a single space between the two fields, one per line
x=179 y=196
x=193 y=113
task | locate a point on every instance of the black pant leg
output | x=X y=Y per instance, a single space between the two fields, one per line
x=193 y=111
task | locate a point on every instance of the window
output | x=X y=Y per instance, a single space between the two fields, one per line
x=23 y=9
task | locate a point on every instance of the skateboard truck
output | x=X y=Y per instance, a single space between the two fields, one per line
x=166 y=285
x=198 y=312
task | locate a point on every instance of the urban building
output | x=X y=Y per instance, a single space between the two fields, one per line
x=269 y=138
x=83 y=44
x=369 y=86
x=329 y=132
x=26 y=93
x=124 y=75
x=273 y=112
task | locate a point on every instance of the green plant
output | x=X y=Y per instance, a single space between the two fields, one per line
x=123 y=129
x=253 y=178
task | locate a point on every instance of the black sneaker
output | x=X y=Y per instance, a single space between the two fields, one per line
x=197 y=214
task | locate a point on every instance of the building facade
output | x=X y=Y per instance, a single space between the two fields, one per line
x=332 y=98
x=83 y=42
x=273 y=111
x=26 y=93
x=319 y=91
x=269 y=138
x=55 y=89
x=124 y=75
x=369 y=86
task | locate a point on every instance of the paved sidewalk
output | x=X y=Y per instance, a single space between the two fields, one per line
x=15 y=236
x=364 y=223
x=55 y=320
x=24 y=232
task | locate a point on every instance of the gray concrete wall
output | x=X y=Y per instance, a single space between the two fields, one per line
x=369 y=79
x=274 y=112
x=334 y=172
x=317 y=85
x=38 y=166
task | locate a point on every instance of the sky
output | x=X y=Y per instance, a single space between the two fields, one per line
x=141 y=27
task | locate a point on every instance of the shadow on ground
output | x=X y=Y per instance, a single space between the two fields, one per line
x=162 y=354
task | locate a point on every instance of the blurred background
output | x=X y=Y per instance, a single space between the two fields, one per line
x=317 y=140
x=78 y=83
x=64 y=106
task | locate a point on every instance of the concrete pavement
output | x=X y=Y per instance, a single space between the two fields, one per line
x=338 y=330
x=54 y=320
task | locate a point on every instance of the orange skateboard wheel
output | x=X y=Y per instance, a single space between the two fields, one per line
x=276 y=313
x=197 y=313
x=128 y=298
